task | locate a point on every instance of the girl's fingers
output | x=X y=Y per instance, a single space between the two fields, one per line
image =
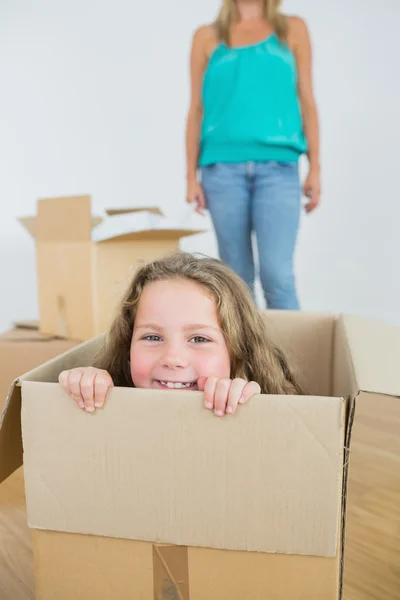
x=209 y=391
x=102 y=384
x=224 y=395
x=87 y=385
x=250 y=389
x=74 y=384
x=201 y=383
x=63 y=381
x=235 y=393
x=221 y=395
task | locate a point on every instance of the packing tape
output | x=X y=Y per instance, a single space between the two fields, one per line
x=170 y=572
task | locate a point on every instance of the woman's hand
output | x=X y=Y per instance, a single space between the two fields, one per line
x=195 y=194
x=223 y=395
x=88 y=386
x=312 y=190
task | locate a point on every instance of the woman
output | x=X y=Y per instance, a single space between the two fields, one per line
x=251 y=117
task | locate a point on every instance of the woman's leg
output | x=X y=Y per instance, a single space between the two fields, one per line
x=226 y=187
x=276 y=203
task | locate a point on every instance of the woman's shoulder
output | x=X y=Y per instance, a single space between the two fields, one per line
x=295 y=22
x=296 y=25
x=206 y=31
x=297 y=29
x=206 y=37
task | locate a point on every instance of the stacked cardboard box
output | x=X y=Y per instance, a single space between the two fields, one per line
x=84 y=262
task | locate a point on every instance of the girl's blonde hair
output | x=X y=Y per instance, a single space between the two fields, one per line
x=229 y=14
x=253 y=356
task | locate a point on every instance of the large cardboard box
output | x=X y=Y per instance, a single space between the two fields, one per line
x=154 y=497
x=23 y=348
x=85 y=263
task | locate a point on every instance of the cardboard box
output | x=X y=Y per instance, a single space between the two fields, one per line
x=154 y=497
x=85 y=263
x=23 y=348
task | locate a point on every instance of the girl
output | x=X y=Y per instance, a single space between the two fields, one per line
x=186 y=323
x=252 y=115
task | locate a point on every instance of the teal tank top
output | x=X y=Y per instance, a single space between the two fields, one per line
x=251 y=108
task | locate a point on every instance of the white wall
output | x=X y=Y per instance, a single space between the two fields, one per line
x=93 y=100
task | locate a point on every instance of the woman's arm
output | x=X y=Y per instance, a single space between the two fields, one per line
x=303 y=54
x=198 y=63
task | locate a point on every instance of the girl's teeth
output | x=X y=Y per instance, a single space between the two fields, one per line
x=176 y=386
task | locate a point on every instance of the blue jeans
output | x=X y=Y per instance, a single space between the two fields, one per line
x=263 y=197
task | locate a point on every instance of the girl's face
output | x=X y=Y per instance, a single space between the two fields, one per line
x=177 y=337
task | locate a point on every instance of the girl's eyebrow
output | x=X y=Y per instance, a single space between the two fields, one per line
x=148 y=326
x=190 y=327
x=200 y=326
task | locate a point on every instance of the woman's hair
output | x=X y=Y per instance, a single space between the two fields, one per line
x=228 y=15
x=253 y=355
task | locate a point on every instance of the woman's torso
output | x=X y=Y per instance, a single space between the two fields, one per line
x=250 y=101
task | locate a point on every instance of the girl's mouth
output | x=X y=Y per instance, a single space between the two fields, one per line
x=177 y=385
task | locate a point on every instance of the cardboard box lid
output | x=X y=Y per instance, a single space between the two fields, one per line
x=143 y=225
x=69 y=219
x=374 y=349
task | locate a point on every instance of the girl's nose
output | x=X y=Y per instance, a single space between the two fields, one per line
x=175 y=358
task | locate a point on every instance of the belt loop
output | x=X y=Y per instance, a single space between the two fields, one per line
x=250 y=168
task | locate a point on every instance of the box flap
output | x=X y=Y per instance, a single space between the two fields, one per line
x=79 y=356
x=10 y=433
x=307 y=339
x=29 y=223
x=123 y=211
x=96 y=221
x=351 y=408
x=375 y=353
x=10 y=416
x=141 y=226
x=160 y=469
x=64 y=219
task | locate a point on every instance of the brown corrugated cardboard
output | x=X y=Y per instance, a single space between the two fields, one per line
x=254 y=503
x=85 y=566
x=22 y=349
x=167 y=448
x=84 y=262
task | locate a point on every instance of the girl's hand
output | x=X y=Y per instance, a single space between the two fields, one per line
x=224 y=395
x=87 y=386
x=312 y=190
x=195 y=194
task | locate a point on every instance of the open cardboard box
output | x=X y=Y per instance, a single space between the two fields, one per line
x=85 y=263
x=154 y=497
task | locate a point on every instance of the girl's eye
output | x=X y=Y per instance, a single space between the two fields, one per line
x=198 y=339
x=152 y=338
